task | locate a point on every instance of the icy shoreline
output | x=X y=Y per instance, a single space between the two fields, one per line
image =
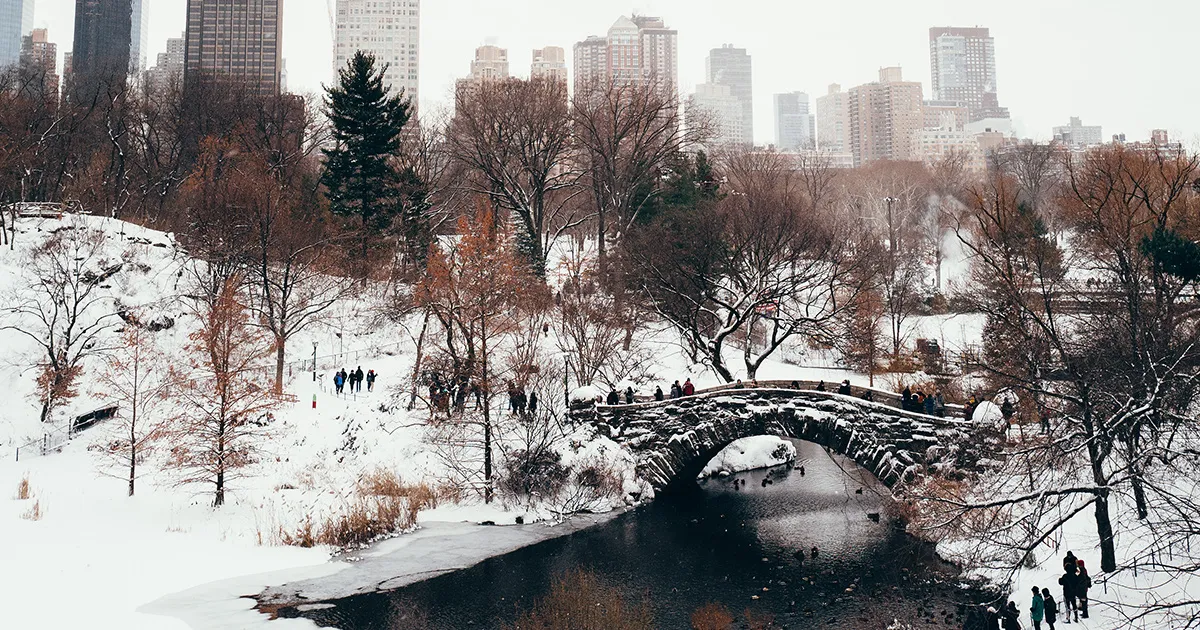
x=436 y=549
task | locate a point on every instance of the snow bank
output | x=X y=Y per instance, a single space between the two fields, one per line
x=752 y=453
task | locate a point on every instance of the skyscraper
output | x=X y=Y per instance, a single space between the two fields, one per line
x=490 y=64
x=16 y=19
x=549 y=63
x=963 y=68
x=886 y=118
x=169 y=65
x=234 y=40
x=714 y=106
x=636 y=50
x=731 y=66
x=388 y=29
x=39 y=53
x=833 y=120
x=100 y=54
x=795 y=126
x=139 y=34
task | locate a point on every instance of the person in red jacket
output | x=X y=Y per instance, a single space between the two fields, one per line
x=688 y=388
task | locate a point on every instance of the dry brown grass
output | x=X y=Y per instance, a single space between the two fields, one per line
x=34 y=513
x=578 y=601
x=383 y=505
x=24 y=490
x=712 y=617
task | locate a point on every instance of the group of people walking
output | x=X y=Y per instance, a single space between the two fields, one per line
x=920 y=402
x=351 y=382
x=1042 y=607
x=519 y=402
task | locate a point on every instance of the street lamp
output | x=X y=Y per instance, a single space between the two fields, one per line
x=314 y=362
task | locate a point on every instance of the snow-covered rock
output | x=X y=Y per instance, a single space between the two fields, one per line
x=752 y=453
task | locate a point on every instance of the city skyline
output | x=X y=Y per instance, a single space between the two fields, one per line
x=1070 y=72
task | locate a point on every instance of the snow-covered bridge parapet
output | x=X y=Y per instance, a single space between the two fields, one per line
x=673 y=440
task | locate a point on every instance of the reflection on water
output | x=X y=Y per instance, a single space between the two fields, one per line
x=735 y=541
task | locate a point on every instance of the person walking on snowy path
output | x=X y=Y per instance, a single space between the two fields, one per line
x=337 y=382
x=358 y=379
x=1050 y=606
x=1069 y=579
x=1037 y=609
x=371 y=375
x=1083 y=583
x=1012 y=617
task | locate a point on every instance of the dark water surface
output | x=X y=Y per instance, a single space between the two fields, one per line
x=714 y=544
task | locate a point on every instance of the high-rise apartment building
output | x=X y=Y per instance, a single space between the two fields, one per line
x=963 y=68
x=490 y=64
x=885 y=118
x=549 y=63
x=169 y=66
x=731 y=66
x=235 y=40
x=16 y=20
x=388 y=29
x=636 y=50
x=795 y=126
x=39 y=53
x=714 y=106
x=946 y=115
x=833 y=120
x=1078 y=135
x=101 y=50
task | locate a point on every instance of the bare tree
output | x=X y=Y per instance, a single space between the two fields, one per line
x=627 y=132
x=226 y=400
x=514 y=136
x=139 y=378
x=62 y=309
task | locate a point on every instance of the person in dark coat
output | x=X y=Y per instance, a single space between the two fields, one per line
x=906 y=399
x=991 y=618
x=821 y=386
x=1011 y=617
x=371 y=376
x=688 y=388
x=1007 y=410
x=613 y=397
x=532 y=402
x=844 y=389
x=1050 y=606
x=658 y=393
x=358 y=379
x=676 y=390
x=1082 y=584
x=628 y=395
x=1069 y=581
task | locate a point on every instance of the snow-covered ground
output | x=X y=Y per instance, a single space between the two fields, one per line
x=752 y=453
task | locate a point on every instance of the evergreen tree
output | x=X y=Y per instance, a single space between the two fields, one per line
x=361 y=173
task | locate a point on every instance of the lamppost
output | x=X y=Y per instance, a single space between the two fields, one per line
x=314 y=362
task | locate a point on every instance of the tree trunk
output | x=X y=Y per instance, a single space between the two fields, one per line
x=1108 y=549
x=487 y=415
x=279 y=352
x=601 y=254
x=220 y=498
x=416 y=374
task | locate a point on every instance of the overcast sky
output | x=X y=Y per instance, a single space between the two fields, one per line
x=1125 y=65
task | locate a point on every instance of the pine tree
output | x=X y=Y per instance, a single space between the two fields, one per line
x=361 y=174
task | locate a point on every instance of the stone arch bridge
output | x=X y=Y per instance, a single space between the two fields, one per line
x=672 y=440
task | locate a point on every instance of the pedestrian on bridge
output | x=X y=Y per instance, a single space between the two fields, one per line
x=628 y=395
x=688 y=388
x=658 y=393
x=844 y=389
x=821 y=386
x=613 y=397
x=676 y=390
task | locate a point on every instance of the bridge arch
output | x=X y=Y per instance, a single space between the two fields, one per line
x=671 y=441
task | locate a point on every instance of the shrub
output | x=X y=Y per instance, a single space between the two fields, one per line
x=24 y=491
x=712 y=617
x=578 y=601
x=536 y=474
x=34 y=513
x=382 y=505
x=591 y=485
